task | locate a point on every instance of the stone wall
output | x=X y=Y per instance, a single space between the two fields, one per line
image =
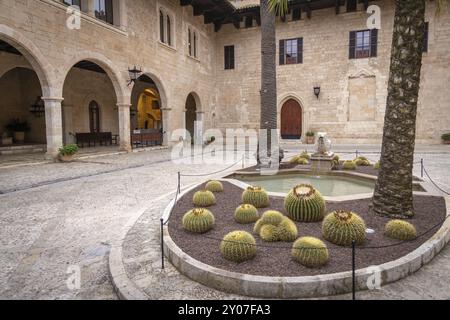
x=353 y=92
x=225 y=98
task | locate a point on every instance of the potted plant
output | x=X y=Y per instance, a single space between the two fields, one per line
x=67 y=153
x=18 y=129
x=310 y=137
x=446 y=138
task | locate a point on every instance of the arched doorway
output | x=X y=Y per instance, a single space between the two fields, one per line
x=22 y=112
x=291 y=120
x=191 y=116
x=146 y=116
x=89 y=112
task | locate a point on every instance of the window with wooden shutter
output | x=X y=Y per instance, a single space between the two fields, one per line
x=229 y=57
x=291 y=51
x=373 y=42
x=363 y=44
x=281 y=53
x=161 y=26
x=425 y=39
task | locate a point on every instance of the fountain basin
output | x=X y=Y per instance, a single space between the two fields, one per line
x=332 y=184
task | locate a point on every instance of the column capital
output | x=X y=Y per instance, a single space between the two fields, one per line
x=123 y=105
x=166 y=109
x=52 y=99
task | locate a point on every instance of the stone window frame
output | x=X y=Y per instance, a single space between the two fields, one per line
x=169 y=38
x=192 y=42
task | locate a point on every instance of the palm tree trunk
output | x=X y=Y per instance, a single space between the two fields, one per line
x=268 y=119
x=393 y=195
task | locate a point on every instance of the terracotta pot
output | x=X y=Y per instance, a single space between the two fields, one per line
x=19 y=137
x=66 y=158
x=310 y=140
x=446 y=141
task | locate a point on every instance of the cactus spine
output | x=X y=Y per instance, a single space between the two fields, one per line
x=214 y=186
x=310 y=252
x=204 y=198
x=305 y=204
x=343 y=227
x=400 y=230
x=256 y=196
x=238 y=246
x=198 y=220
x=246 y=213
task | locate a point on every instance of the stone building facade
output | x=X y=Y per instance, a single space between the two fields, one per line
x=181 y=55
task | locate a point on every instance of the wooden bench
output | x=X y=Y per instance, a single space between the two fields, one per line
x=92 y=139
x=145 y=138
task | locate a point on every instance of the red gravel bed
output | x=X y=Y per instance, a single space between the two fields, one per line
x=273 y=259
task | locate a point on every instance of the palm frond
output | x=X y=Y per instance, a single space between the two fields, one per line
x=280 y=7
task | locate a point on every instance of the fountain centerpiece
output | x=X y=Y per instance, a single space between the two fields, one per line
x=322 y=160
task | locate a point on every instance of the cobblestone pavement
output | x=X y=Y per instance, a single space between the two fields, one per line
x=54 y=216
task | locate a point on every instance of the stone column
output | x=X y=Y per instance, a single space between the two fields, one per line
x=165 y=124
x=124 y=126
x=183 y=118
x=53 y=125
x=198 y=128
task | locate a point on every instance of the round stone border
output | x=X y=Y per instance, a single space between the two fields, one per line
x=307 y=286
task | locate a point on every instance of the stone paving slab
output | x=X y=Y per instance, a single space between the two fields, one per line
x=68 y=214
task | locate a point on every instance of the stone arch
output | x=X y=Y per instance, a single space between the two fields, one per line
x=161 y=88
x=22 y=65
x=35 y=58
x=119 y=83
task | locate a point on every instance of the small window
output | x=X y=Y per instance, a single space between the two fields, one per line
x=192 y=43
x=229 y=57
x=425 y=39
x=248 y=21
x=94 y=117
x=189 y=42
x=363 y=44
x=104 y=10
x=352 y=5
x=291 y=51
x=161 y=26
x=296 y=14
x=168 y=31
x=195 y=44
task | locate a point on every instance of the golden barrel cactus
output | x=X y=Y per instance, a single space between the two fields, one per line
x=238 y=246
x=304 y=203
x=344 y=227
x=310 y=252
x=198 y=220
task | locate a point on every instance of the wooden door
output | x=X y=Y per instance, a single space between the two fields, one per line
x=291 y=120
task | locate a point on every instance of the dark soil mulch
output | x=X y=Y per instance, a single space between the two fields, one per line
x=273 y=259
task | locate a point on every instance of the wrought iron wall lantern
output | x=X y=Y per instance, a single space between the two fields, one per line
x=133 y=112
x=317 y=91
x=134 y=74
x=38 y=108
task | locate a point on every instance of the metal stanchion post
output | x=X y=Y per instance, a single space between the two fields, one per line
x=421 y=167
x=353 y=270
x=162 y=243
x=179 y=183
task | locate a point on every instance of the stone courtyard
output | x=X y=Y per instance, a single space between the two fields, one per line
x=59 y=216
